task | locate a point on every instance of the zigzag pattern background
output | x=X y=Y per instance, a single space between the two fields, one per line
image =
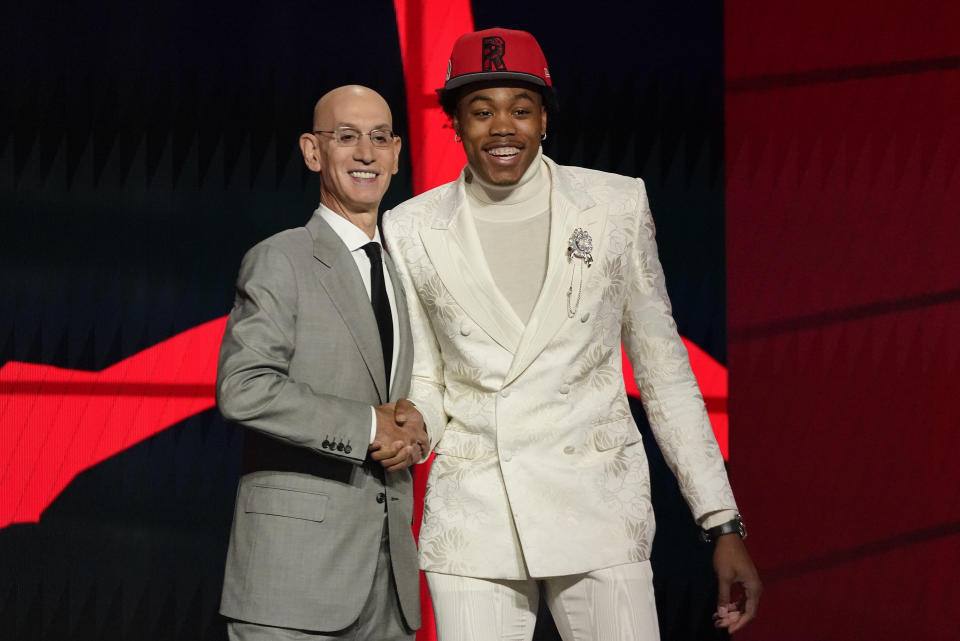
x=143 y=149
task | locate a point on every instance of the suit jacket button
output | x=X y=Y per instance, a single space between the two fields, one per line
x=465 y=329
x=381 y=497
x=347 y=449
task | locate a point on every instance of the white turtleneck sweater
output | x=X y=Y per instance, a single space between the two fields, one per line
x=513 y=223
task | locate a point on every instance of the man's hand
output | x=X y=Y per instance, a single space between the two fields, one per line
x=401 y=439
x=735 y=570
x=409 y=417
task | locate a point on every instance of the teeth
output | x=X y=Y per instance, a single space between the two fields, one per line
x=503 y=151
x=362 y=174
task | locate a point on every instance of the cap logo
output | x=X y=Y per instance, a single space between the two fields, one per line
x=449 y=68
x=493 y=50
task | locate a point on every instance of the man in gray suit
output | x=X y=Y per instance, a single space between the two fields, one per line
x=315 y=361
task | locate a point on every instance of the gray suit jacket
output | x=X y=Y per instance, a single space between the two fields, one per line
x=301 y=365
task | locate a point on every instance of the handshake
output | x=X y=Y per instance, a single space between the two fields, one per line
x=401 y=438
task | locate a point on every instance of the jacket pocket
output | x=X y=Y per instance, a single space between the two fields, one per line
x=462 y=445
x=616 y=433
x=278 y=501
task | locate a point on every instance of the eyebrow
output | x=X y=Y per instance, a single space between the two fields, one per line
x=382 y=125
x=516 y=96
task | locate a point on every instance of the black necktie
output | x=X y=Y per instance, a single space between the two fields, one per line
x=381 y=306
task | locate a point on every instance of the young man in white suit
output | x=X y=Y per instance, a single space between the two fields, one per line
x=523 y=278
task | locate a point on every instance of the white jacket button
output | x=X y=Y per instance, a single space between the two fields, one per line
x=569 y=449
x=506 y=456
x=585 y=317
x=564 y=389
x=465 y=329
x=505 y=393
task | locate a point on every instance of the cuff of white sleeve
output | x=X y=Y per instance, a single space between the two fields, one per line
x=373 y=424
x=713 y=519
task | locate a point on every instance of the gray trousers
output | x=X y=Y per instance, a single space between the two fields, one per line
x=380 y=618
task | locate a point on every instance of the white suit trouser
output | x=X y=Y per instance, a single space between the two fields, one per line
x=613 y=604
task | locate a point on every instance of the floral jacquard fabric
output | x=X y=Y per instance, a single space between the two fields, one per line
x=539 y=468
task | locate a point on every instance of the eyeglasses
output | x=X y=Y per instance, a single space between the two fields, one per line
x=350 y=137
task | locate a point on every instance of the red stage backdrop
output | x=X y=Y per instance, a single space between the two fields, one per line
x=843 y=195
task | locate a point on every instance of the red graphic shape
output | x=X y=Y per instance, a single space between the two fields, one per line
x=58 y=422
x=427 y=32
x=712 y=379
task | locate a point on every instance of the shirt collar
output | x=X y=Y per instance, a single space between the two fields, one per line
x=351 y=235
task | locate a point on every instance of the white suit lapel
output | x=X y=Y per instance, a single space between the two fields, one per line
x=570 y=208
x=454 y=249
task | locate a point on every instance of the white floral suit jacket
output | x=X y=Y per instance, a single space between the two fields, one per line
x=539 y=469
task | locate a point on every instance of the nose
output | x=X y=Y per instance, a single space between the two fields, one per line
x=502 y=125
x=364 y=150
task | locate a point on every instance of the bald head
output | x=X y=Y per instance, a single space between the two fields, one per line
x=335 y=100
x=354 y=171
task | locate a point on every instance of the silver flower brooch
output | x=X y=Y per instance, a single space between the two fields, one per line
x=581 y=244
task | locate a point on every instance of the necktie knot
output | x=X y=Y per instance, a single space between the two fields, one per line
x=373 y=253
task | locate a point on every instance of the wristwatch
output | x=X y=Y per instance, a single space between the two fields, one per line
x=734 y=525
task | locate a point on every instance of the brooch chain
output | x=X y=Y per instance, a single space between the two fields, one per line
x=580 y=247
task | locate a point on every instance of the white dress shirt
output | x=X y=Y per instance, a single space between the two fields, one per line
x=355 y=238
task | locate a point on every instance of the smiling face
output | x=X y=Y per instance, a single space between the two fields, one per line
x=501 y=128
x=353 y=179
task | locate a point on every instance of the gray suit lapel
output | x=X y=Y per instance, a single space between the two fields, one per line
x=339 y=276
x=401 y=373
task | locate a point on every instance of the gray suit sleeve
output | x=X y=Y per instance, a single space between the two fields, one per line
x=254 y=387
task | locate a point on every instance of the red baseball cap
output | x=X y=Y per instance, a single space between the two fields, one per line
x=498 y=54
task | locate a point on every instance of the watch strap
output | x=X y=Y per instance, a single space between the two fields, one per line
x=733 y=526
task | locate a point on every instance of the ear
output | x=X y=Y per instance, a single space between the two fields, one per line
x=310 y=148
x=456 y=124
x=396 y=154
x=543 y=119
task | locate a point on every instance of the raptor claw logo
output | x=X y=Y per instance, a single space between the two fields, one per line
x=493 y=49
